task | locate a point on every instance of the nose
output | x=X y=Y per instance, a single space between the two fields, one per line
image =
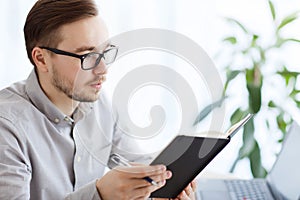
x=100 y=69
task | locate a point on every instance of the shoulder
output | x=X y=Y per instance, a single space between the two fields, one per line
x=14 y=102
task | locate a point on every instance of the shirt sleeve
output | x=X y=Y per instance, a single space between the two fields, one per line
x=15 y=172
x=88 y=191
x=15 y=168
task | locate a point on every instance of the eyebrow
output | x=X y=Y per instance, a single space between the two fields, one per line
x=84 y=48
x=90 y=48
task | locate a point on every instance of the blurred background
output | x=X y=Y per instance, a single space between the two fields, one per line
x=218 y=27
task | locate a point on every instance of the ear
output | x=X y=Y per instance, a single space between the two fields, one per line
x=39 y=57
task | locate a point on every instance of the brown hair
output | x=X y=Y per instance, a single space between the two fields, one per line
x=47 y=16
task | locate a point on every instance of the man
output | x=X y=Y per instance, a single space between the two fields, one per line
x=56 y=132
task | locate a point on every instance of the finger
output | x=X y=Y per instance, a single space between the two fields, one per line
x=141 y=192
x=188 y=190
x=194 y=185
x=137 y=183
x=142 y=171
x=146 y=191
x=141 y=182
x=183 y=195
x=136 y=164
x=135 y=178
x=161 y=177
x=163 y=199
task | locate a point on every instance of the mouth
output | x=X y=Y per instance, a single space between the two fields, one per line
x=97 y=84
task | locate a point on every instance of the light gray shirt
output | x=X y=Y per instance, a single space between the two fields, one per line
x=46 y=156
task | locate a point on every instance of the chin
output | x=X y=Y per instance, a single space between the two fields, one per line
x=86 y=98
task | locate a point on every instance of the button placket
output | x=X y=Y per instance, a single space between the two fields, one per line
x=78 y=158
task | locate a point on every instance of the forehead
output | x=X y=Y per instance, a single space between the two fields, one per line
x=88 y=32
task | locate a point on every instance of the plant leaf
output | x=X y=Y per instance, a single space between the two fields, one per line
x=234 y=165
x=237 y=23
x=291 y=40
x=254 y=39
x=294 y=94
x=262 y=53
x=268 y=124
x=272 y=9
x=281 y=123
x=237 y=115
x=254 y=84
x=208 y=109
x=271 y=104
x=231 y=74
x=254 y=97
x=298 y=103
x=231 y=39
x=248 y=140
x=287 y=75
x=280 y=41
x=288 y=19
x=257 y=169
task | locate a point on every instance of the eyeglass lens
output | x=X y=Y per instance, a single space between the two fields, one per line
x=93 y=59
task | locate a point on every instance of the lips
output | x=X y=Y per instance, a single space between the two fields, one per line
x=98 y=83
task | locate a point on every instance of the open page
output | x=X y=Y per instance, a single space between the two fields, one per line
x=234 y=128
x=230 y=132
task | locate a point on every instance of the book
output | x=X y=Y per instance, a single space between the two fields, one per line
x=186 y=156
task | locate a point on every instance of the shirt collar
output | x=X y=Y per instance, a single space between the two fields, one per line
x=43 y=104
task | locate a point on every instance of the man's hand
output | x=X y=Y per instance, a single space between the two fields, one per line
x=128 y=183
x=187 y=194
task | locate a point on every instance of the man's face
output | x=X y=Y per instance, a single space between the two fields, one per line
x=81 y=37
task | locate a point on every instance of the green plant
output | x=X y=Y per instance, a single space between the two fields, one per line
x=255 y=54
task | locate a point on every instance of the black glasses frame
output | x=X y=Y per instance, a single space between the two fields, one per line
x=82 y=57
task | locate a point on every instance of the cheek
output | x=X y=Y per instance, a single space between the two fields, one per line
x=70 y=70
x=78 y=78
x=70 y=66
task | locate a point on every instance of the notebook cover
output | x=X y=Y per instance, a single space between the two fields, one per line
x=186 y=157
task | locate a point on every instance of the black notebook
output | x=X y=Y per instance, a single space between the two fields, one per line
x=187 y=156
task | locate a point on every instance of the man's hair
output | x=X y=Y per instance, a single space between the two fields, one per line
x=43 y=22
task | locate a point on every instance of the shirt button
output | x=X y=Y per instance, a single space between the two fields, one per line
x=78 y=159
x=56 y=120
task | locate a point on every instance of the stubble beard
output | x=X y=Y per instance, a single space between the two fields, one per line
x=66 y=86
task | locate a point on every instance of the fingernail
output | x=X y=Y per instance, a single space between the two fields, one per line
x=162 y=183
x=169 y=174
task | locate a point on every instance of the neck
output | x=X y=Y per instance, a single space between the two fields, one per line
x=64 y=103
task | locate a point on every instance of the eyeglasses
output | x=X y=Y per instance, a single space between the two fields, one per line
x=92 y=59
